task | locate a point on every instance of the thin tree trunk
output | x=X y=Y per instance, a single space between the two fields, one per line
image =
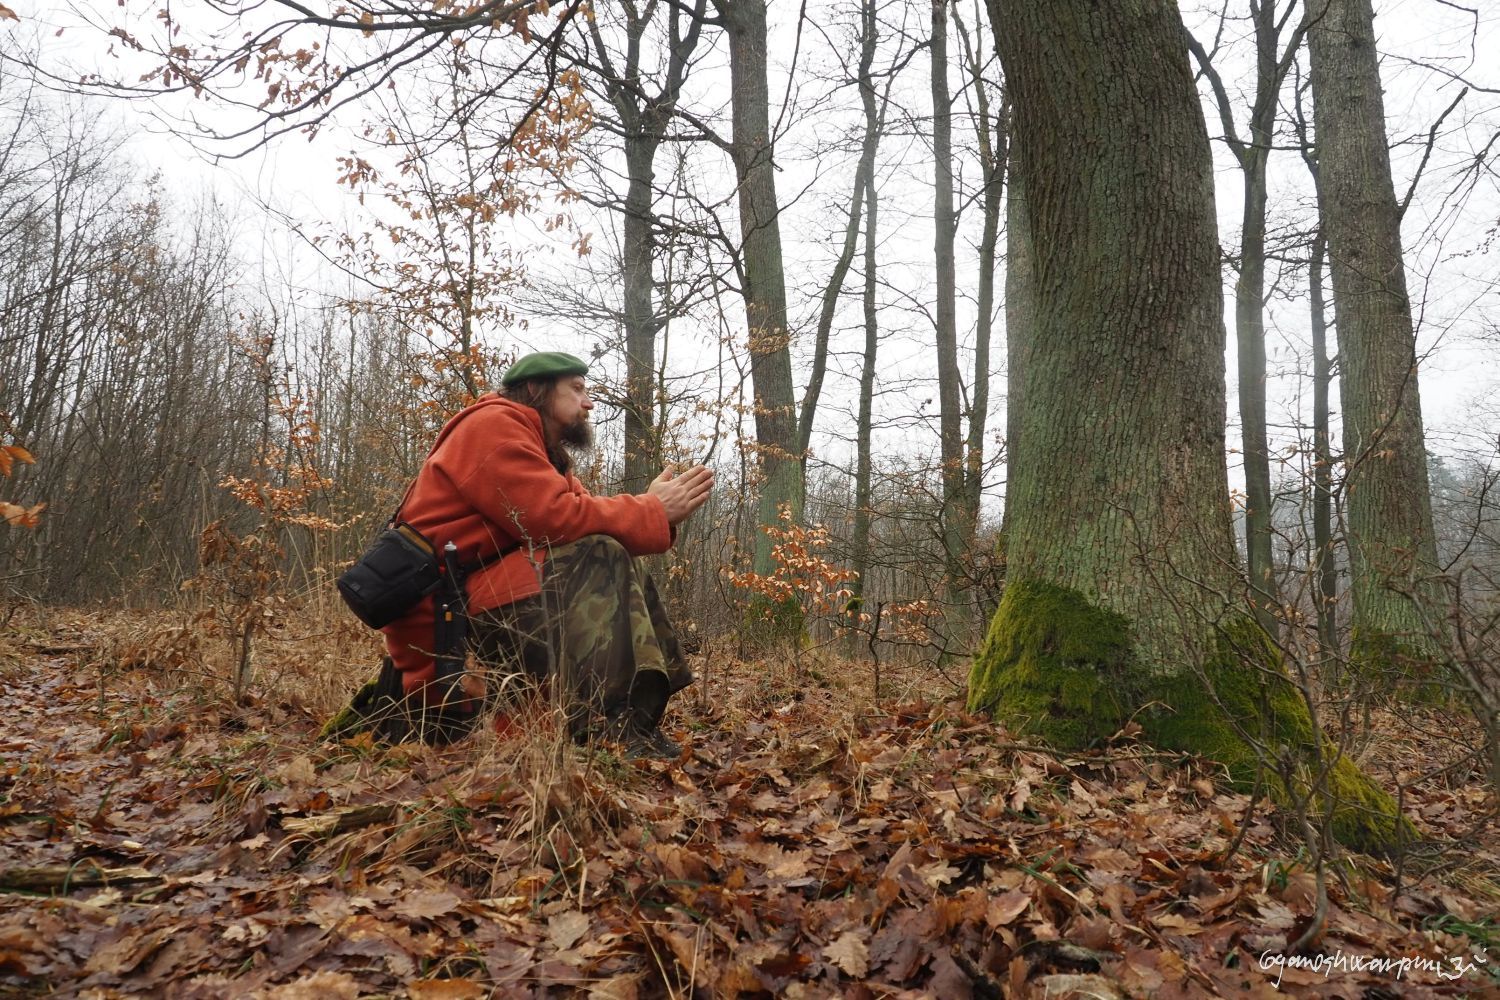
x=1326 y=570
x=1272 y=62
x=643 y=121
x=863 y=181
x=1250 y=353
x=1393 y=557
x=950 y=417
x=860 y=556
x=764 y=279
x=994 y=145
x=641 y=453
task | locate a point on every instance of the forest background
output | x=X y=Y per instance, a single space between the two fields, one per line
x=169 y=336
x=795 y=243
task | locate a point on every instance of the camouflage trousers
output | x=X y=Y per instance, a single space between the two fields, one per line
x=597 y=636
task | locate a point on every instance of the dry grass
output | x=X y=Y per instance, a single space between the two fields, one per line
x=524 y=832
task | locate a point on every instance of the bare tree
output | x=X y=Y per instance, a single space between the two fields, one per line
x=1393 y=557
x=644 y=103
x=1273 y=60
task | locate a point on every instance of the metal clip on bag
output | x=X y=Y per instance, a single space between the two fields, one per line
x=396 y=572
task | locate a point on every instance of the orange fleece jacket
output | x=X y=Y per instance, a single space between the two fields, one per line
x=488 y=487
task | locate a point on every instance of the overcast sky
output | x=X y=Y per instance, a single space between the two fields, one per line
x=1454 y=271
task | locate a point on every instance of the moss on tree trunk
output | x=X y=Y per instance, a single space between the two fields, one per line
x=1057 y=666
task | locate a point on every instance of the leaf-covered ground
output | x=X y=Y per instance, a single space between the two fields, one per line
x=810 y=845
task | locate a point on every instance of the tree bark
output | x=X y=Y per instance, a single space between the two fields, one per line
x=763 y=277
x=1393 y=557
x=1118 y=603
x=860 y=543
x=950 y=416
x=1325 y=590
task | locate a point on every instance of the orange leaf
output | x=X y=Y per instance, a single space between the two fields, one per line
x=21 y=517
x=6 y=12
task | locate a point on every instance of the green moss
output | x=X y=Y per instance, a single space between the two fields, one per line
x=1053 y=664
x=769 y=625
x=1364 y=816
x=1411 y=670
x=1242 y=700
x=1246 y=691
x=1057 y=666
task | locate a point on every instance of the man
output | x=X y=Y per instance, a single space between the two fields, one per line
x=559 y=599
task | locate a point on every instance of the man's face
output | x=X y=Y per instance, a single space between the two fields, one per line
x=569 y=412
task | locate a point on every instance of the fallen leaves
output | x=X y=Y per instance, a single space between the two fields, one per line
x=851 y=953
x=564 y=929
x=909 y=856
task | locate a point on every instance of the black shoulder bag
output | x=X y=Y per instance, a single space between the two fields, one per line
x=403 y=566
x=399 y=569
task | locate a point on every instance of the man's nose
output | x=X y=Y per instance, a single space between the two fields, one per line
x=588 y=404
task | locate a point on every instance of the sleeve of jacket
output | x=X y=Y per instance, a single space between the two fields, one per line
x=511 y=483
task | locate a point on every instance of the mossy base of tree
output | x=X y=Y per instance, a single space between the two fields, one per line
x=1056 y=666
x=1050 y=665
x=1412 y=671
x=770 y=625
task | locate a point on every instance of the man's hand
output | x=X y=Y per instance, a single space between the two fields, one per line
x=682 y=493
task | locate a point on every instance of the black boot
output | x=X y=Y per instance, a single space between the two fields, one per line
x=637 y=726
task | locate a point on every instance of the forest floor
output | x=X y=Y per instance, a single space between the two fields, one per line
x=813 y=843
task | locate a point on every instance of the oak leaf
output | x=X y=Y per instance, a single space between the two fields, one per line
x=1005 y=908
x=318 y=986
x=426 y=905
x=851 y=953
x=566 y=928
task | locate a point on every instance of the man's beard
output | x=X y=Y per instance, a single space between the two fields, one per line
x=577 y=436
x=572 y=439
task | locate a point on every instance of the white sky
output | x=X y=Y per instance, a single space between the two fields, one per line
x=1455 y=284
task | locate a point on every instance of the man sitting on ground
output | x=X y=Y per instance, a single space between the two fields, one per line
x=560 y=598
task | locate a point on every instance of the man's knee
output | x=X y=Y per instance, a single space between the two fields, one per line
x=603 y=550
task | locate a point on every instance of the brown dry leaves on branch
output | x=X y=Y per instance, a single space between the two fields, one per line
x=809 y=846
x=10 y=454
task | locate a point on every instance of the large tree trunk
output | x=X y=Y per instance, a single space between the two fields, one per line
x=1392 y=554
x=1121 y=552
x=763 y=277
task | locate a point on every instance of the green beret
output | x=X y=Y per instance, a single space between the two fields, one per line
x=543 y=364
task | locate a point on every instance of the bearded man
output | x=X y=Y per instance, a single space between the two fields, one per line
x=559 y=599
